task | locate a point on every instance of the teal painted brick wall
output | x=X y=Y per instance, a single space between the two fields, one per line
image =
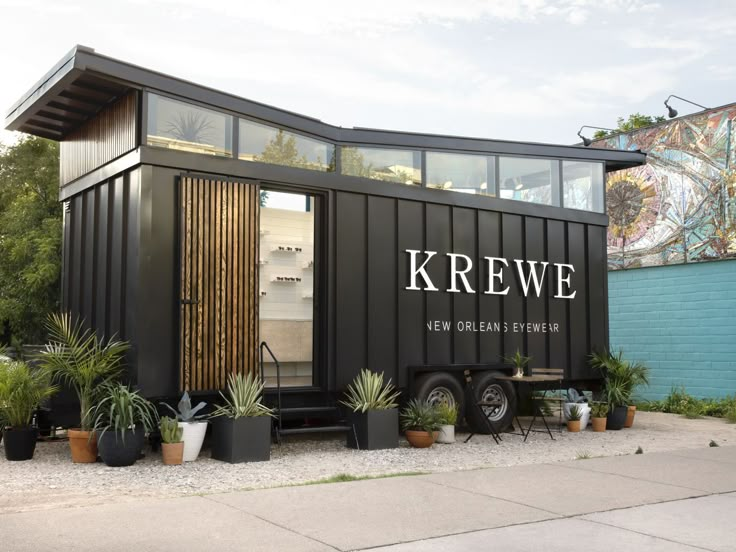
x=681 y=321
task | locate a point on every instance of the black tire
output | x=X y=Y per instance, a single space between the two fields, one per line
x=486 y=388
x=437 y=386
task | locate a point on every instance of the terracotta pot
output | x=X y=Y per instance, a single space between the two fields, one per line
x=83 y=445
x=630 y=413
x=573 y=426
x=172 y=453
x=599 y=424
x=421 y=439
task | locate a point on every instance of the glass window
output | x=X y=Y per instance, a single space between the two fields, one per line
x=468 y=174
x=267 y=144
x=404 y=166
x=533 y=180
x=582 y=185
x=179 y=125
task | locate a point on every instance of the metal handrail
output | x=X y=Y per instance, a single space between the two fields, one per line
x=264 y=345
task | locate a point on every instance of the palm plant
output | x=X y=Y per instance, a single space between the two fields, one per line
x=121 y=409
x=368 y=392
x=22 y=391
x=244 y=395
x=621 y=376
x=77 y=357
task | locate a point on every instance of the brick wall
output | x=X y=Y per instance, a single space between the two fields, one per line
x=681 y=321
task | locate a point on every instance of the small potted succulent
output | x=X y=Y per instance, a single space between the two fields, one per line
x=172 y=446
x=573 y=419
x=599 y=413
x=121 y=419
x=22 y=390
x=373 y=412
x=519 y=362
x=420 y=422
x=448 y=418
x=241 y=428
x=193 y=426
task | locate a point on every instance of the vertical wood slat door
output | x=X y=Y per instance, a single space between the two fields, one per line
x=219 y=235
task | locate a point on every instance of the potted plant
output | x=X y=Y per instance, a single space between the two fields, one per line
x=78 y=358
x=420 y=423
x=519 y=362
x=172 y=446
x=120 y=416
x=193 y=426
x=599 y=412
x=373 y=412
x=241 y=428
x=22 y=390
x=573 y=420
x=447 y=418
x=621 y=378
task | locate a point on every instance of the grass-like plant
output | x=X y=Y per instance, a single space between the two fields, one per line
x=22 y=390
x=120 y=409
x=575 y=413
x=447 y=413
x=599 y=409
x=244 y=396
x=77 y=357
x=368 y=392
x=420 y=416
x=518 y=361
x=170 y=430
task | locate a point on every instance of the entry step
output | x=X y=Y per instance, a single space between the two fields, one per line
x=316 y=429
x=308 y=410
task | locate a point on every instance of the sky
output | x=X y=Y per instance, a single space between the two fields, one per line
x=530 y=70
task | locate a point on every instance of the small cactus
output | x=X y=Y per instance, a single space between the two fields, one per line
x=639 y=450
x=170 y=430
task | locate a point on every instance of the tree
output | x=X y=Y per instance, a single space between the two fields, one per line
x=637 y=120
x=282 y=150
x=30 y=238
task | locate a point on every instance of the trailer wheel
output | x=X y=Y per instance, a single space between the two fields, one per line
x=487 y=388
x=437 y=387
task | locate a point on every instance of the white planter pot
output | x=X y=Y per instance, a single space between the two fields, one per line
x=192 y=435
x=446 y=434
x=584 y=413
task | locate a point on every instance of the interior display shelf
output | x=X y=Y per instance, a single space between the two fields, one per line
x=308 y=296
x=286 y=249
x=286 y=279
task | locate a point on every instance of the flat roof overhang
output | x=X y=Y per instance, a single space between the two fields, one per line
x=83 y=82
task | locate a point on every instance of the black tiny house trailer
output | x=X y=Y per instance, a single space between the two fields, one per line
x=198 y=224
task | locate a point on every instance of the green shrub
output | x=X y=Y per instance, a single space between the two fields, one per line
x=680 y=402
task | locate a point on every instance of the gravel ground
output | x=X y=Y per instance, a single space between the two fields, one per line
x=50 y=480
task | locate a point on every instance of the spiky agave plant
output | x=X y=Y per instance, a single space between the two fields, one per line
x=244 y=395
x=368 y=392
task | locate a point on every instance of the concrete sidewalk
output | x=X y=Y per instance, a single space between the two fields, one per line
x=682 y=500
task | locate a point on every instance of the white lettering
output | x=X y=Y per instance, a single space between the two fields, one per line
x=429 y=286
x=565 y=280
x=525 y=280
x=492 y=276
x=454 y=272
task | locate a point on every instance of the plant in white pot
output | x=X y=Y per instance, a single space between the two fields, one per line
x=241 y=428
x=374 y=415
x=447 y=414
x=193 y=426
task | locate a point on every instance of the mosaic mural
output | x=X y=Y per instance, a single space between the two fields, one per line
x=681 y=206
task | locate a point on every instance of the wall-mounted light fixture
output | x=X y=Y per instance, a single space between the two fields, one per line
x=588 y=141
x=672 y=112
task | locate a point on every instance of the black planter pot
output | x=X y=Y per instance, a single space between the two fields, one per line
x=140 y=439
x=245 y=439
x=374 y=430
x=118 y=449
x=20 y=443
x=616 y=418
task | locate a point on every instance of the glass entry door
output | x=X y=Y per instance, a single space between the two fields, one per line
x=286 y=285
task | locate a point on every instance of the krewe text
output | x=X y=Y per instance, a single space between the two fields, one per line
x=530 y=274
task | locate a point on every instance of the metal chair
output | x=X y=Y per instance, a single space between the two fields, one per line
x=472 y=404
x=560 y=399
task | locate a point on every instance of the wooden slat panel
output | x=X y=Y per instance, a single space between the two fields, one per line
x=219 y=268
x=110 y=134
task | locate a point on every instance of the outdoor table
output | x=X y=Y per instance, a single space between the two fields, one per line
x=532 y=381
